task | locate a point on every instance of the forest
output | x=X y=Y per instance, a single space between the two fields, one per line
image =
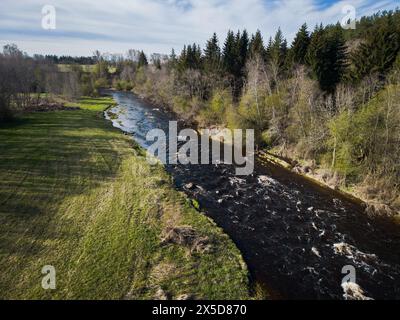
x=330 y=100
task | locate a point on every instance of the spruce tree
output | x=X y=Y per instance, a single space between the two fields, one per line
x=327 y=56
x=244 y=48
x=230 y=53
x=256 y=46
x=277 y=50
x=268 y=49
x=173 y=61
x=300 y=45
x=142 y=62
x=378 y=52
x=212 y=55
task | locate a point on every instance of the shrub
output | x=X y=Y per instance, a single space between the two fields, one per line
x=215 y=111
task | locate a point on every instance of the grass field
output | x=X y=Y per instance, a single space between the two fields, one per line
x=77 y=194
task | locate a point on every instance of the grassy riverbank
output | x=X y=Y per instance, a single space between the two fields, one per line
x=77 y=194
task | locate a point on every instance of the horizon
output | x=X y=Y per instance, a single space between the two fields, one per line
x=158 y=26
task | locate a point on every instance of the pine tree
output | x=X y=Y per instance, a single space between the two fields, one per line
x=268 y=49
x=277 y=50
x=173 y=61
x=212 y=55
x=256 y=46
x=230 y=53
x=378 y=52
x=234 y=59
x=142 y=62
x=191 y=57
x=300 y=45
x=243 y=48
x=327 y=56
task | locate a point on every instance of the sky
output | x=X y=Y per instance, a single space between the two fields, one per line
x=115 y=26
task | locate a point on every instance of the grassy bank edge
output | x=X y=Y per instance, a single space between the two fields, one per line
x=118 y=252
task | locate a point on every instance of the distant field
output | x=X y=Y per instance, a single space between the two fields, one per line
x=76 y=194
x=85 y=68
x=67 y=67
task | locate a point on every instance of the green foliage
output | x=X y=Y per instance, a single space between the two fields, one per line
x=341 y=145
x=377 y=53
x=88 y=203
x=258 y=110
x=300 y=99
x=230 y=54
x=235 y=53
x=142 y=60
x=256 y=46
x=101 y=83
x=191 y=58
x=195 y=204
x=300 y=45
x=212 y=55
x=327 y=57
x=277 y=50
x=366 y=141
x=123 y=85
x=215 y=111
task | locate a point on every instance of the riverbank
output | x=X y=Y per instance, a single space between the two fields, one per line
x=294 y=234
x=77 y=194
x=329 y=179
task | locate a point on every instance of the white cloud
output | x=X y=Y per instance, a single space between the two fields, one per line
x=158 y=25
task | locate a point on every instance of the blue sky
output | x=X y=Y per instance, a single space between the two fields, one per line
x=83 y=26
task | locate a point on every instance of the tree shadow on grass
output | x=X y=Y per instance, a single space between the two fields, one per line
x=44 y=159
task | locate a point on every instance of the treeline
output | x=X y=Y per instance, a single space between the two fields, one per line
x=67 y=59
x=24 y=80
x=330 y=98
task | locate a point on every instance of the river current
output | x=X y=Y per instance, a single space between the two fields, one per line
x=298 y=239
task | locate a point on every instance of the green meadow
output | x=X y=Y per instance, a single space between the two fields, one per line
x=77 y=194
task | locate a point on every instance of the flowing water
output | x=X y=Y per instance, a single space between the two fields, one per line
x=295 y=235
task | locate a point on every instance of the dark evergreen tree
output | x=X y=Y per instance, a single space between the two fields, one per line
x=173 y=58
x=142 y=62
x=230 y=53
x=268 y=49
x=182 y=62
x=327 y=56
x=243 y=48
x=191 y=58
x=212 y=55
x=378 y=52
x=277 y=50
x=256 y=46
x=300 y=45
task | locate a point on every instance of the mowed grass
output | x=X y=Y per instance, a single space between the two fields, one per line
x=77 y=194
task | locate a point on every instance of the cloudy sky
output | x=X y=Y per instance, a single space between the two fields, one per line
x=83 y=26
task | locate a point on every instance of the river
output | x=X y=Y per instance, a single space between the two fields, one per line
x=295 y=236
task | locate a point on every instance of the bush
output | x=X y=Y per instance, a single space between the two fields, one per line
x=215 y=111
x=123 y=85
x=366 y=141
x=101 y=83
